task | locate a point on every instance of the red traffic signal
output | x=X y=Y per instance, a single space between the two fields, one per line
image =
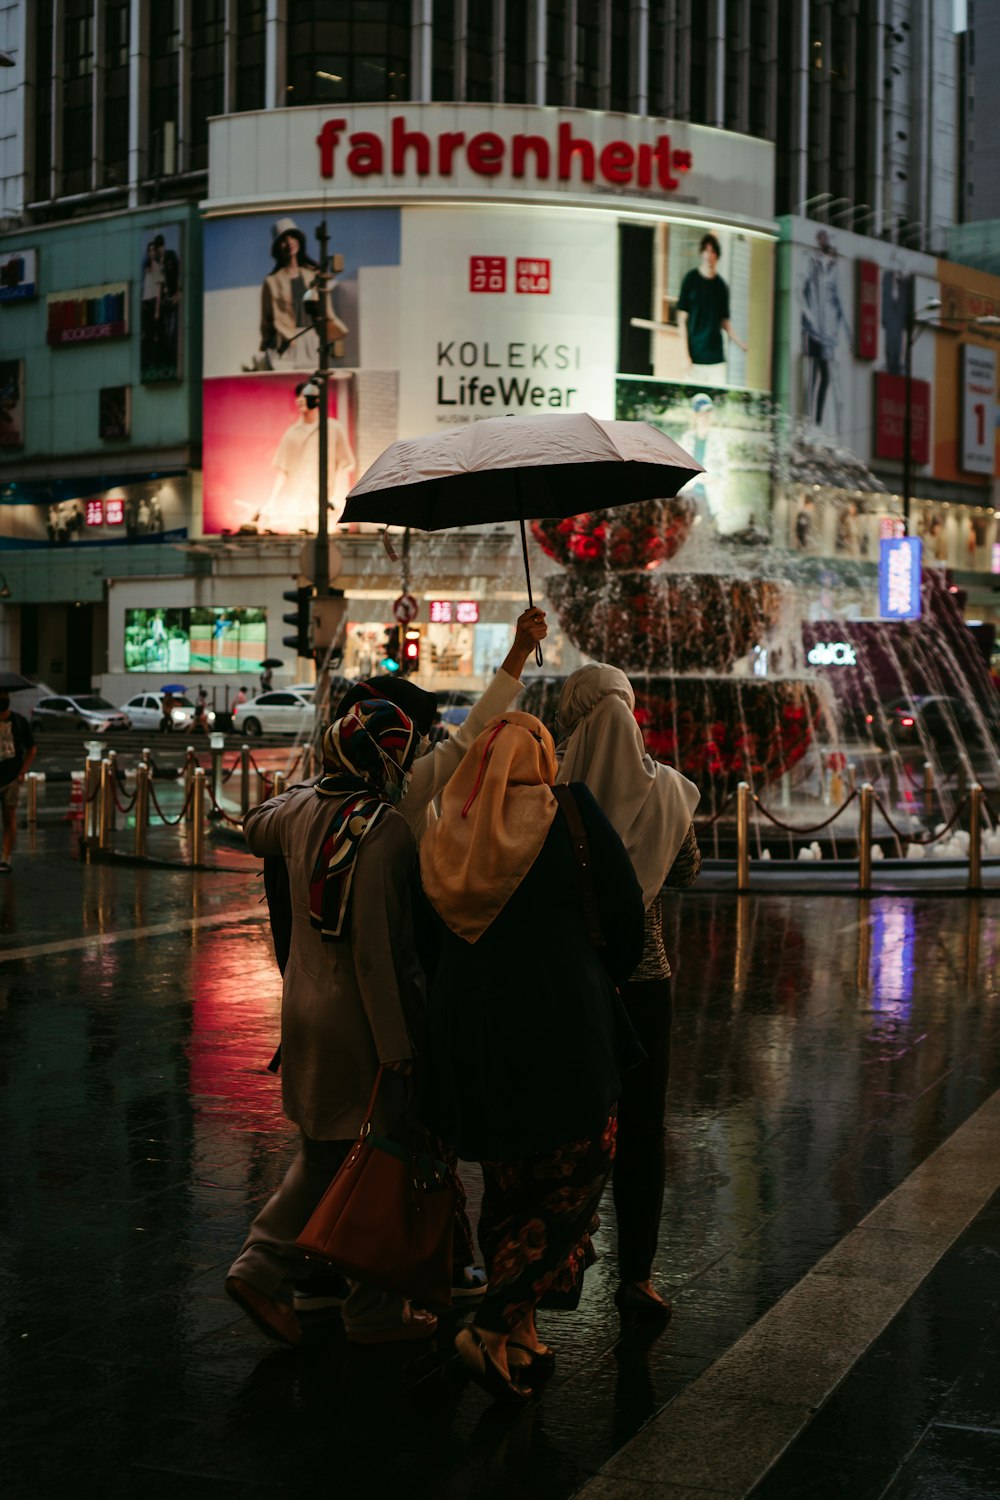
x=411 y=650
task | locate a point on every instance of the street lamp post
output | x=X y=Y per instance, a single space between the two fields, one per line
x=316 y=300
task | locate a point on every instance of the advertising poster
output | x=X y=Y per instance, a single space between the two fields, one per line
x=202 y=640
x=114 y=420
x=979 y=401
x=160 y=307
x=19 y=276
x=845 y=337
x=11 y=403
x=966 y=433
x=155 y=511
x=728 y=432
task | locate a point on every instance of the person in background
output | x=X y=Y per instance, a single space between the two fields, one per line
x=266 y=679
x=352 y=1001
x=17 y=751
x=526 y=1036
x=239 y=698
x=651 y=807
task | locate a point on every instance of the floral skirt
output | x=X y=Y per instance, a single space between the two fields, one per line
x=535 y=1222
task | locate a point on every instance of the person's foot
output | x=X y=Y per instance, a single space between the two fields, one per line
x=482 y=1354
x=276 y=1320
x=640 y=1302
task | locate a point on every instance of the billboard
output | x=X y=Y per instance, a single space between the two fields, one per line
x=11 y=403
x=89 y=315
x=445 y=314
x=153 y=511
x=19 y=276
x=899 y=578
x=160 y=306
x=204 y=640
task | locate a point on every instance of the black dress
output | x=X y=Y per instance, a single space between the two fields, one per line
x=526 y=1034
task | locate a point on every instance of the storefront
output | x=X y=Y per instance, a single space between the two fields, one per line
x=489 y=260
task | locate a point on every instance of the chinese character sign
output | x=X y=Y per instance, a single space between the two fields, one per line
x=899 y=578
x=440 y=611
x=467 y=612
x=95 y=513
x=487 y=273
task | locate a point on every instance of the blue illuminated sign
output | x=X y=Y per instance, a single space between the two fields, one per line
x=899 y=578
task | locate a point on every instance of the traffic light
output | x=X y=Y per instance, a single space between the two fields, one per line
x=392 y=650
x=411 y=649
x=301 y=597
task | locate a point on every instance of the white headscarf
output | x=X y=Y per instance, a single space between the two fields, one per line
x=650 y=805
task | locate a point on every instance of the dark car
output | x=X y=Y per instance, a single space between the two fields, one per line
x=77 y=713
x=949 y=727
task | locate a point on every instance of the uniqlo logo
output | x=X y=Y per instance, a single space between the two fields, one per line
x=114 y=512
x=487 y=273
x=95 y=513
x=534 y=277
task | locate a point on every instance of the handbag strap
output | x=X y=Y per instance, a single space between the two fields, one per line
x=570 y=810
x=366 y=1123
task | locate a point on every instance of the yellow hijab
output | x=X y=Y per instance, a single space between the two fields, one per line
x=496 y=812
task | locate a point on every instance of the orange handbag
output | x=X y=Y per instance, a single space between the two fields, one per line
x=387 y=1218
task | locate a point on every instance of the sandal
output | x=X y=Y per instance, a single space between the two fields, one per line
x=636 y=1306
x=484 y=1370
x=540 y=1362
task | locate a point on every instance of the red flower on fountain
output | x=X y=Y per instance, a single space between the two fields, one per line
x=630 y=536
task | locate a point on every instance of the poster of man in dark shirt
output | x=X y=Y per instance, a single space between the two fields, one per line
x=703 y=314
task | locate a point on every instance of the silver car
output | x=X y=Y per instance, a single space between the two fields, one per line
x=146 y=712
x=77 y=713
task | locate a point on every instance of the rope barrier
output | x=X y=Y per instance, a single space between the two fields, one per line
x=125 y=807
x=915 y=838
x=170 y=822
x=795 y=828
x=217 y=805
x=95 y=790
x=714 y=818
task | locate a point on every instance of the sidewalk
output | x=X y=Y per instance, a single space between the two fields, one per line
x=823 y=1049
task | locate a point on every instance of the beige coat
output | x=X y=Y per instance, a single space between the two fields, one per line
x=346 y=1006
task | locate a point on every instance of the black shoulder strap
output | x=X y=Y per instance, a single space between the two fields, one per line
x=581 y=851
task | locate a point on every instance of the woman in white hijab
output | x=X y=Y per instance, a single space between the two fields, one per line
x=651 y=807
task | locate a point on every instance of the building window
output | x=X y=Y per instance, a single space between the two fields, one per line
x=515 y=82
x=43 y=102
x=115 y=93
x=761 y=72
x=659 y=40
x=698 y=84
x=443 y=50
x=735 y=46
x=208 y=45
x=164 y=40
x=78 y=96
x=556 y=23
x=340 y=50
x=251 y=54
x=588 y=54
x=479 y=53
x=620 y=41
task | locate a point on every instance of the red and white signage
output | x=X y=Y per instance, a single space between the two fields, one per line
x=867 y=320
x=405 y=609
x=447 y=612
x=890 y=418
x=487 y=273
x=979 y=404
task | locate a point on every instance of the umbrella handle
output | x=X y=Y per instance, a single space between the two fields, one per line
x=527 y=573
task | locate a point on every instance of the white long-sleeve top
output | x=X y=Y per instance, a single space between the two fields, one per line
x=433 y=771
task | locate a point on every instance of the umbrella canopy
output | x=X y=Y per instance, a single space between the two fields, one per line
x=518 y=468
x=173 y=687
x=272 y=661
x=13 y=682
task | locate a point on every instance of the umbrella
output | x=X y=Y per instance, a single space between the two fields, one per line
x=13 y=682
x=272 y=661
x=517 y=469
x=173 y=687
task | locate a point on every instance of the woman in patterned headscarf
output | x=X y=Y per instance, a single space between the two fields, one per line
x=353 y=996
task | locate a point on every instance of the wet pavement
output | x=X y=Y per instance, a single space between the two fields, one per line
x=823 y=1048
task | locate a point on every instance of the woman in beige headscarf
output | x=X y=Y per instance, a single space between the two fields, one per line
x=526 y=1037
x=651 y=807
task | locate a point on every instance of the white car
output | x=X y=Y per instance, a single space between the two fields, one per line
x=283 y=711
x=146 y=712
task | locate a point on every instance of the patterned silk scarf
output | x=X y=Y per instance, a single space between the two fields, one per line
x=367 y=756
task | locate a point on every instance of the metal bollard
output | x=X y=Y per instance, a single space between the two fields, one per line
x=112 y=788
x=743 y=836
x=190 y=762
x=91 y=772
x=866 y=803
x=217 y=742
x=32 y=780
x=262 y=792
x=141 y=808
x=928 y=789
x=279 y=784
x=244 y=779
x=104 y=805
x=975 y=837
x=198 y=817
x=852 y=777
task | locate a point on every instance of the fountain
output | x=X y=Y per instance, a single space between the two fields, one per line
x=692 y=643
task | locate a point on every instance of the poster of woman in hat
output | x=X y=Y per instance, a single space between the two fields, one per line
x=288 y=339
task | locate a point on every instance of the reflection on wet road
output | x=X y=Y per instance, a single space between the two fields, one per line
x=822 y=1048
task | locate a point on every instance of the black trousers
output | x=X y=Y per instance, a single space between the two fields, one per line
x=640 y=1162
